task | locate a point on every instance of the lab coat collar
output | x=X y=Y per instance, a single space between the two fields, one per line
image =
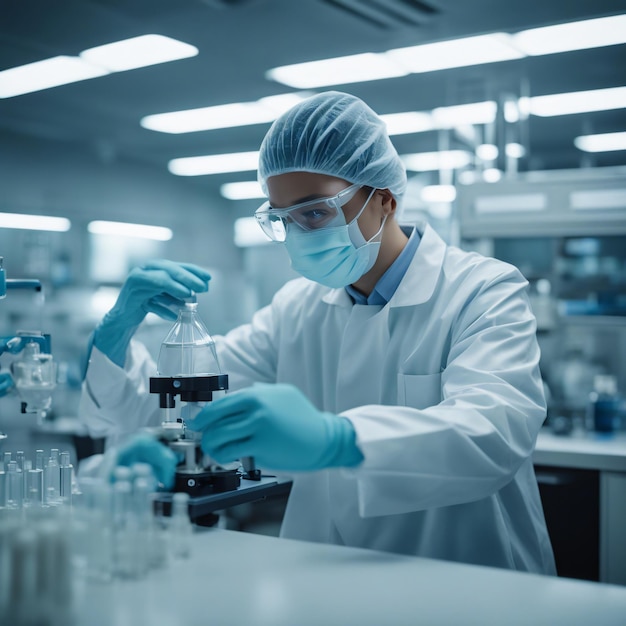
x=418 y=284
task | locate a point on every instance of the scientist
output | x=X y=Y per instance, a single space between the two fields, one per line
x=397 y=380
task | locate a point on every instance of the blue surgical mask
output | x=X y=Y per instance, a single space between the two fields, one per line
x=334 y=257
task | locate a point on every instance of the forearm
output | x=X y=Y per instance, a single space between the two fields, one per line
x=112 y=337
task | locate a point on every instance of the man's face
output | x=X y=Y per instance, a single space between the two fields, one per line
x=292 y=188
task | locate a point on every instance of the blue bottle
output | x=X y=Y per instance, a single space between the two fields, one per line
x=605 y=405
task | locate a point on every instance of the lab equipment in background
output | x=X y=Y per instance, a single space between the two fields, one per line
x=188 y=367
x=106 y=530
x=34 y=373
x=606 y=406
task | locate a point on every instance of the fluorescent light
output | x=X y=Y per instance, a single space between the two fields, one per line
x=124 y=229
x=443 y=55
x=438 y=193
x=34 y=222
x=594 y=33
x=245 y=190
x=461 y=114
x=605 y=142
x=142 y=51
x=515 y=150
x=223 y=115
x=430 y=161
x=410 y=122
x=487 y=152
x=214 y=164
x=492 y=175
x=355 y=68
x=45 y=74
x=249 y=233
x=578 y=102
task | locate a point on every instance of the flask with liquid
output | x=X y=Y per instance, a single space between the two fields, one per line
x=188 y=349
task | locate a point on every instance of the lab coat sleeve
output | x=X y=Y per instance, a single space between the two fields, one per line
x=471 y=444
x=116 y=402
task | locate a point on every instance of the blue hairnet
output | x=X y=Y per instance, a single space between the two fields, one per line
x=336 y=134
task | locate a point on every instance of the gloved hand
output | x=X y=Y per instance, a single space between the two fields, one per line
x=10 y=344
x=6 y=383
x=278 y=426
x=144 y=448
x=152 y=288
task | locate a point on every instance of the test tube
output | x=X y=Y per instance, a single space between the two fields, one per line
x=34 y=489
x=52 y=479
x=125 y=531
x=65 y=478
x=15 y=487
x=19 y=458
x=26 y=466
x=6 y=459
x=39 y=459
x=181 y=528
x=3 y=489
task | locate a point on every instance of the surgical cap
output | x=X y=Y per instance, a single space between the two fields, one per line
x=336 y=134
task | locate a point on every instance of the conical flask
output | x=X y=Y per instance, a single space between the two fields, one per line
x=188 y=349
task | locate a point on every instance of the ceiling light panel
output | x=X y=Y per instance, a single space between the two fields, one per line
x=409 y=122
x=456 y=53
x=142 y=51
x=244 y=190
x=577 y=102
x=34 y=222
x=53 y=72
x=124 y=229
x=214 y=164
x=432 y=161
x=585 y=34
x=355 y=68
x=605 y=142
x=261 y=111
x=461 y=114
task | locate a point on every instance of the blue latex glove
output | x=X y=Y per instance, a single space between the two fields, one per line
x=143 y=448
x=153 y=288
x=279 y=427
x=10 y=344
x=6 y=383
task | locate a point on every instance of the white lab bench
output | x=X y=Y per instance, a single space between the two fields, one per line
x=607 y=455
x=234 y=578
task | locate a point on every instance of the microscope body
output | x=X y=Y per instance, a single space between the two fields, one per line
x=196 y=474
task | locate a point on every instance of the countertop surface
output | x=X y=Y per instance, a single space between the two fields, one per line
x=584 y=450
x=234 y=578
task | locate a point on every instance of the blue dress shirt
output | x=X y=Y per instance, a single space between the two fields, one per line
x=389 y=281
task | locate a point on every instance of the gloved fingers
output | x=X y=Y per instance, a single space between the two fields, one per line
x=145 y=449
x=159 y=306
x=232 y=451
x=227 y=408
x=12 y=345
x=145 y=283
x=225 y=433
x=191 y=276
x=200 y=272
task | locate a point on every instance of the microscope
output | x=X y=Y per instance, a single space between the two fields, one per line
x=188 y=368
x=34 y=372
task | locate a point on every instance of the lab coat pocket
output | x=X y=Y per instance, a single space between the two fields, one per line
x=419 y=391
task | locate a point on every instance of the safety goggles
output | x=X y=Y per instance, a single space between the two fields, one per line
x=312 y=215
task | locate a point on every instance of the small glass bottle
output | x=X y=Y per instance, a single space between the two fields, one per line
x=188 y=349
x=605 y=405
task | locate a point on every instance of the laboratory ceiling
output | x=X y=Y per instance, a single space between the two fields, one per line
x=239 y=40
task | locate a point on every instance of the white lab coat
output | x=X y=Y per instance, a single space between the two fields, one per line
x=442 y=386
